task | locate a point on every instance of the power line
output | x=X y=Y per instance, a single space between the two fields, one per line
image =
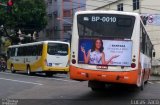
x=113 y=1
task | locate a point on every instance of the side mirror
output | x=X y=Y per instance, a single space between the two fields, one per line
x=154 y=54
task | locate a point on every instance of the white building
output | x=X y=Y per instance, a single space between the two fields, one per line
x=144 y=7
x=94 y=4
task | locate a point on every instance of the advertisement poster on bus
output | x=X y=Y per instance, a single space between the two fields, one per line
x=105 y=52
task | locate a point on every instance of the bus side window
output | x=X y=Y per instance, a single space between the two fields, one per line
x=29 y=50
x=24 y=51
x=145 y=42
x=35 y=49
x=13 y=52
x=142 y=39
x=39 y=47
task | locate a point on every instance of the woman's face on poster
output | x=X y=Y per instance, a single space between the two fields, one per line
x=98 y=44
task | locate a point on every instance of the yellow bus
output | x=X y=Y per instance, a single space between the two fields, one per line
x=48 y=57
x=110 y=47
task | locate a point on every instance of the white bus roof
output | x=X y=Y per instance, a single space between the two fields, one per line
x=108 y=12
x=36 y=43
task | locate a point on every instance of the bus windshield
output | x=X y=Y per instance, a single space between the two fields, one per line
x=105 y=25
x=57 y=49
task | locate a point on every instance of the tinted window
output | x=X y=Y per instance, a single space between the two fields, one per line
x=105 y=25
x=33 y=50
x=12 y=52
x=146 y=44
x=57 y=49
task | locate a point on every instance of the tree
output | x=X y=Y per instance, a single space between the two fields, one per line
x=27 y=15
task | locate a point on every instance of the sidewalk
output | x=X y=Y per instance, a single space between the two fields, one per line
x=154 y=78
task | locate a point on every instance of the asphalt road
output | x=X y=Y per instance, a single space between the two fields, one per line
x=20 y=89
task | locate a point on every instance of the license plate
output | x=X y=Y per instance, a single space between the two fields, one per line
x=102 y=67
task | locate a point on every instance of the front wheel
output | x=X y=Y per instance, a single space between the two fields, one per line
x=94 y=89
x=142 y=85
x=29 y=71
x=96 y=86
x=12 y=69
x=49 y=74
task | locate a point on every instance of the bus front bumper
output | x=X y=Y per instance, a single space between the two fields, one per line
x=127 y=77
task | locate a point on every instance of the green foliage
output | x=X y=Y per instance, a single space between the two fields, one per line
x=27 y=15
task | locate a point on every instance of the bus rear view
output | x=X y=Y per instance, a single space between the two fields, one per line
x=57 y=57
x=106 y=48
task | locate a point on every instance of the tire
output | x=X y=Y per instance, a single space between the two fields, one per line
x=29 y=71
x=97 y=89
x=49 y=74
x=142 y=85
x=96 y=86
x=12 y=69
x=147 y=78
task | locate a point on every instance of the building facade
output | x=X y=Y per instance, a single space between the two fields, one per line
x=148 y=8
x=60 y=15
x=48 y=32
x=94 y=4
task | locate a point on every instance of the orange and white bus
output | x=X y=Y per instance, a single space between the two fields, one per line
x=110 y=47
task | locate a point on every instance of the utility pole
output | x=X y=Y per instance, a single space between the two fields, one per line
x=140 y=6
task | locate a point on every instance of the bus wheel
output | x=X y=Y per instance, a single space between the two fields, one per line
x=12 y=69
x=97 y=89
x=28 y=71
x=49 y=74
x=147 y=78
x=96 y=86
x=146 y=82
x=142 y=85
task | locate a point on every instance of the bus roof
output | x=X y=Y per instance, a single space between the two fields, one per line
x=36 y=43
x=108 y=12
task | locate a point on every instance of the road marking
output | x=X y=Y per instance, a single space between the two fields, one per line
x=21 y=81
x=42 y=77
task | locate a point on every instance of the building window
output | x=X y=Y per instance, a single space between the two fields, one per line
x=120 y=7
x=135 y=4
x=66 y=13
